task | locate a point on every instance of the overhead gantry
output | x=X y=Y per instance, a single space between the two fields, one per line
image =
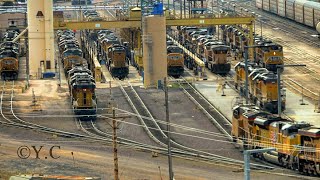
x=248 y=21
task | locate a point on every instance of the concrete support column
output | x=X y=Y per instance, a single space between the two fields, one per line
x=41 y=37
x=154 y=57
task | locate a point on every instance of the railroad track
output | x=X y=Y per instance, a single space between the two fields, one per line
x=14 y=121
x=158 y=135
x=304 y=57
x=298 y=88
x=285 y=25
x=213 y=114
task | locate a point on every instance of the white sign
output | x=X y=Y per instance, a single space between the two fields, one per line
x=97 y=25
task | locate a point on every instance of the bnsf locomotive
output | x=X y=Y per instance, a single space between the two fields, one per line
x=9 y=55
x=297 y=144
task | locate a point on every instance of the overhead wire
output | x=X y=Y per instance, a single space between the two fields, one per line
x=185 y=128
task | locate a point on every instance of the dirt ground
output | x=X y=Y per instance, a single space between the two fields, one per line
x=92 y=159
x=96 y=159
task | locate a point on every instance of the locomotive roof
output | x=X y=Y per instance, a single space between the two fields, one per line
x=169 y=43
x=117 y=47
x=255 y=71
x=213 y=42
x=312 y=132
x=290 y=125
x=267 y=77
x=79 y=69
x=220 y=47
x=82 y=78
x=112 y=40
x=252 y=113
x=174 y=49
x=72 y=50
x=246 y=108
x=242 y=64
x=266 y=121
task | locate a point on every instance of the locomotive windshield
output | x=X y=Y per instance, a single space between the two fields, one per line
x=174 y=49
x=75 y=52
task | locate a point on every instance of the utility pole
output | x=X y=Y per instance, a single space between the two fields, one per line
x=168 y=128
x=114 y=139
x=180 y=9
x=302 y=103
x=318 y=108
x=247 y=75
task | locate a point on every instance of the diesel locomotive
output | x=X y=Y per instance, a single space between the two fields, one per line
x=80 y=80
x=9 y=55
x=297 y=143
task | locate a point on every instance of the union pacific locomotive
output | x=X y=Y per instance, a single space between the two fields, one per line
x=108 y=48
x=175 y=60
x=263 y=87
x=80 y=80
x=9 y=55
x=268 y=54
x=213 y=52
x=82 y=91
x=297 y=144
x=70 y=52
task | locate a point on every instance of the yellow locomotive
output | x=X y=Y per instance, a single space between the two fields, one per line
x=117 y=62
x=175 y=59
x=113 y=54
x=296 y=144
x=9 y=55
x=9 y=64
x=82 y=91
x=72 y=57
x=263 y=86
x=80 y=80
x=71 y=54
x=213 y=52
x=218 y=61
x=268 y=54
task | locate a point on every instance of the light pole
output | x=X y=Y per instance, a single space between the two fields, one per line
x=254 y=36
x=260 y=25
x=168 y=129
x=180 y=9
x=234 y=9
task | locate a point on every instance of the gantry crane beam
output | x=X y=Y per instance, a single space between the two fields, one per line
x=169 y=22
x=97 y=24
x=210 y=21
